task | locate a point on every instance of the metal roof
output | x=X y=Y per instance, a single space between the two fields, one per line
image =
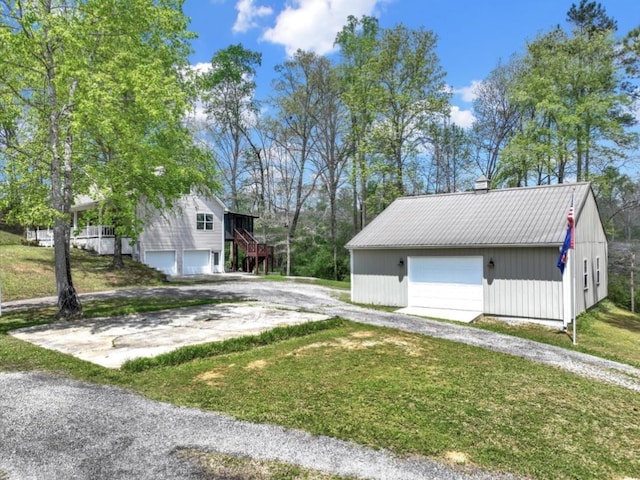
x=506 y=217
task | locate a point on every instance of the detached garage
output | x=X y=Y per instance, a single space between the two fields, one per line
x=491 y=252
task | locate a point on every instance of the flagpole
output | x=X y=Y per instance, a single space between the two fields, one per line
x=575 y=269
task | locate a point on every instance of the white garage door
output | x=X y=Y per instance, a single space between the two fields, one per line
x=446 y=283
x=196 y=261
x=163 y=260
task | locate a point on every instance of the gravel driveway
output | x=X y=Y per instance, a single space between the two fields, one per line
x=57 y=428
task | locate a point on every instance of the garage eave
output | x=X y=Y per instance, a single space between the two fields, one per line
x=433 y=247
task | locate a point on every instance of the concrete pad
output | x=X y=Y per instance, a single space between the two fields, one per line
x=464 y=316
x=112 y=341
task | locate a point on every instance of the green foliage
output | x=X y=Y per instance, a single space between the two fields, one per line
x=312 y=259
x=98 y=99
x=227 y=91
x=571 y=94
x=240 y=344
x=619 y=291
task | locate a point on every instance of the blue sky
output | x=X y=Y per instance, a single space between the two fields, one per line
x=473 y=35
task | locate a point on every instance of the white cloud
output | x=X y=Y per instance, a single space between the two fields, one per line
x=200 y=67
x=312 y=25
x=247 y=15
x=469 y=93
x=462 y=118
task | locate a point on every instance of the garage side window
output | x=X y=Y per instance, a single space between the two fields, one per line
x=585 y=274
x=597 y=270
x=204 y=221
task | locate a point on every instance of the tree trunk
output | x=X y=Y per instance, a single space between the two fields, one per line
x=289 y=241
x=334 y=232
x=68 y=302
x=117 y=252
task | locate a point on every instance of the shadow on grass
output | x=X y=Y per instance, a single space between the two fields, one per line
x=627 y=323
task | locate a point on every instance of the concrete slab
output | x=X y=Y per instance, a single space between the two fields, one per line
x=112 y=341
x=464 y=316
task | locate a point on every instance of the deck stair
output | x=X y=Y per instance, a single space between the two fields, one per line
x=255 y=251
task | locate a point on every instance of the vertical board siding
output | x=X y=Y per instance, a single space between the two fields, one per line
x=377 y=278
x=525 y=282
x=591 y=242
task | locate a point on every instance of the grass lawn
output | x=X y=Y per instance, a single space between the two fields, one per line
x=27 y=272
x=388 y=389
x=605 y=330
x=380 y=387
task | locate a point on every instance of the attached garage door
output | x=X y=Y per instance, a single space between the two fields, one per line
x=163 y=260
x=196 y=261
x=453 y=283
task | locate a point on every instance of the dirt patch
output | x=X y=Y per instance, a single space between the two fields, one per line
x=213 y=377
x=362 y=334
x=360 y=341
x=458 y=458
x=256 y=365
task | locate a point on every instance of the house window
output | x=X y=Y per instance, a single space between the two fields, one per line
x=585 y=274
x=204 y=221
x=216 y=259
x=597 y=270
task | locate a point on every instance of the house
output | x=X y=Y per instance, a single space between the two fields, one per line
x=491 y=252
x=190 y=239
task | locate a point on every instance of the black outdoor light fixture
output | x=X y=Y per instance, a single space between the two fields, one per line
x=491 y=264
x=401 y=262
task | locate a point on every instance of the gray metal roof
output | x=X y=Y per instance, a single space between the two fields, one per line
x=506 y=217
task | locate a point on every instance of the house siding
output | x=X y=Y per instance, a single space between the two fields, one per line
x=377 y=279
x=591 y=242
x=525 y=281
x=176 y=230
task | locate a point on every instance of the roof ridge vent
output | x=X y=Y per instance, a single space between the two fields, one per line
x=481 y=185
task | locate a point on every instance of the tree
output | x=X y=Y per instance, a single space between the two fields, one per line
x=332 y=147
x=69 y=63
x=358 y=41
x=294 y=134
x=575 y=112
x=590 y=18
x=497 y=116
x=412 y=97
x=228 y=97
x=451 y=157
x=618 y=201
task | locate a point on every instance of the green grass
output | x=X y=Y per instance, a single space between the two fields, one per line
x=387 y=389
x=232 y=345
x=606 y=331
x=27 y=272
x=7 y=238
x=342 y=284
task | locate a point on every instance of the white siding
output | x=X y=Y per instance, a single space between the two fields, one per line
x=176 y=230
x=524 y=282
